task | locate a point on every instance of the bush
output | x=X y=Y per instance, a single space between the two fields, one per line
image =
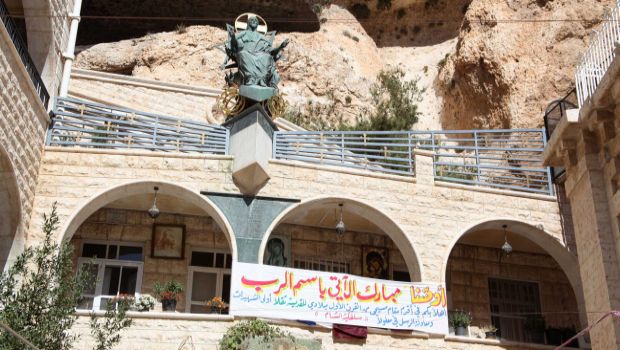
x=39 y=292
x=237 y=334
x=107 y=332
x=459 y=318
x=395 y=102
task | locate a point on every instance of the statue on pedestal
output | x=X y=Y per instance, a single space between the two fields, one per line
x=251 y=49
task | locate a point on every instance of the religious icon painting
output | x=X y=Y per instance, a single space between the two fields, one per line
x=375 y=262
x=278 y=251
x=168 y=241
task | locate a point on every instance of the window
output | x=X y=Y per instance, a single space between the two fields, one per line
x=317 y=264
x=208 y=277
x=116 y=268
x=511 y=302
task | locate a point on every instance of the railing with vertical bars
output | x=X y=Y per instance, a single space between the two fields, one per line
x=504 y=159
x=598 y=56
x=78 y=123
x=22 y=50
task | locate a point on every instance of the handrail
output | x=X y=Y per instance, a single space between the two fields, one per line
x=556 y=110
x=597 y=58
x=504 y=159
x=22 y=50
x=78 y=123
x=18 y=336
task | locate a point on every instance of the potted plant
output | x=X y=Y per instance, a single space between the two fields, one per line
x=216 y=305
x=460 y=320
x=145 y=303
x=167 y=293
x=490 y=332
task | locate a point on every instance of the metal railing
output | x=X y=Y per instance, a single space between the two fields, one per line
x=598 y=56
x=556 y=110
x=78 y=123
x=22 y=50
x=505 y=159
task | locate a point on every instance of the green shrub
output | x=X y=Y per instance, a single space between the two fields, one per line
x=237 y=334
x=107 y=331
x=459 y=318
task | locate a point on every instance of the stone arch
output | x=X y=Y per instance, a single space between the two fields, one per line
x=566 y=260
x=110 y=195
x=364 y=209
x=10 y=207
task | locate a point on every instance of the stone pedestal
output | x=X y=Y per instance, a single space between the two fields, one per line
x=251 y=140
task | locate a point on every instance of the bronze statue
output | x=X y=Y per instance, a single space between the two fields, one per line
x=250 y=47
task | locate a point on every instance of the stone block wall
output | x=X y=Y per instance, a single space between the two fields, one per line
x=167 y=99
x=470 y=268
x=23 y=123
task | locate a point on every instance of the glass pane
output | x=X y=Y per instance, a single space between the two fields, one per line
x=203 y=287
x=226 y=288
x=110 y=280
x=228 y=261
x=93 y=250
x=112 y=251
x=91 y=270
x=219 y=260
x=202 y=259
x=130 y=253
x=129 y=278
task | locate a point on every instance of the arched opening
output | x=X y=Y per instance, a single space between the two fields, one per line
x=9 y=207
x=531 y=294
x=305 y=237
x=114 y=20
x=189 y=242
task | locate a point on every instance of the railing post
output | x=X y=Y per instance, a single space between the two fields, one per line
x=273 y=145
x=549 y=176
x=342 y=147
x=410 y=151
x=477 y=156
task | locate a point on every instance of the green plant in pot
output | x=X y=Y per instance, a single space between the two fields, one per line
x=167 y=293
x=460 y=320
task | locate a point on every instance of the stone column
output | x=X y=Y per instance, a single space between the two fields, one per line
x=424 y=172
x=595 y=237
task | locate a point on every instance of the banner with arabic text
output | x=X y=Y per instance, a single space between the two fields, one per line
x=293 y=294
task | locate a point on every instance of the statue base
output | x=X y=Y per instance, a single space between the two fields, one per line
x=257 y=93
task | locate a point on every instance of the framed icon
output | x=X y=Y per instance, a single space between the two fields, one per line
x=168 y=241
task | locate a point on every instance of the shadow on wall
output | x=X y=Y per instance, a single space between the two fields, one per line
x=153 y=16
x=420 y=23
x=9 y=207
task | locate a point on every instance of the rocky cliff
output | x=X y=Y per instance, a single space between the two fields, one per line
x=483 y=63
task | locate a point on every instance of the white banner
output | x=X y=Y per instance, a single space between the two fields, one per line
x=293 y=294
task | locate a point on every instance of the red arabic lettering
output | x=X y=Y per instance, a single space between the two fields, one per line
x=257 y=285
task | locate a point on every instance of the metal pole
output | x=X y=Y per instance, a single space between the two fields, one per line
x=69 y=55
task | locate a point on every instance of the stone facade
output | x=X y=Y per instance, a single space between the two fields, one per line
x=22 y=132
x=177 y=100
x=588 y=146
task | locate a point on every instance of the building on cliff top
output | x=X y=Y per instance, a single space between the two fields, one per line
x=428 y=208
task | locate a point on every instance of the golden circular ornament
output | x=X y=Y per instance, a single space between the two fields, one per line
x=277 y=105
x=230 y=102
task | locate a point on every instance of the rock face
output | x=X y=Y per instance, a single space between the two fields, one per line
x=512 y=58
x=483 y=63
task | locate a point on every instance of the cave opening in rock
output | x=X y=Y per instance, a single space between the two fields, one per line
x=114 y=20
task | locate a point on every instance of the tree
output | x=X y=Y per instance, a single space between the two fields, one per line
x=107 y=332
x=39 y=293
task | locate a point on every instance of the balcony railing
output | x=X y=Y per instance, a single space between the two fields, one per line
x=598 y=56
x=556 y=110
x=22 y=50
x=504 y=159
x=77 y=123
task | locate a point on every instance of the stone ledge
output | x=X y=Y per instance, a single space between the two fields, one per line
x=343 y=170
x=542 y=197
x=165 y=315
x=130 y=152
x=496 y=342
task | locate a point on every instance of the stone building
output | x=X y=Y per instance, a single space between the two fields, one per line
x=438 y=205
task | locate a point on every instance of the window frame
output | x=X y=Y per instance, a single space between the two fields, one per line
x=102 y=263
x=219 y=271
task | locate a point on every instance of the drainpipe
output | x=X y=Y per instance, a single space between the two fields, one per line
x=69 y=54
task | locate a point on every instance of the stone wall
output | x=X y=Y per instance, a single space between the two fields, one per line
x=150 y=96
x=23 y=123
x=470 y=268
x=136 y=226
x=163 y=332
